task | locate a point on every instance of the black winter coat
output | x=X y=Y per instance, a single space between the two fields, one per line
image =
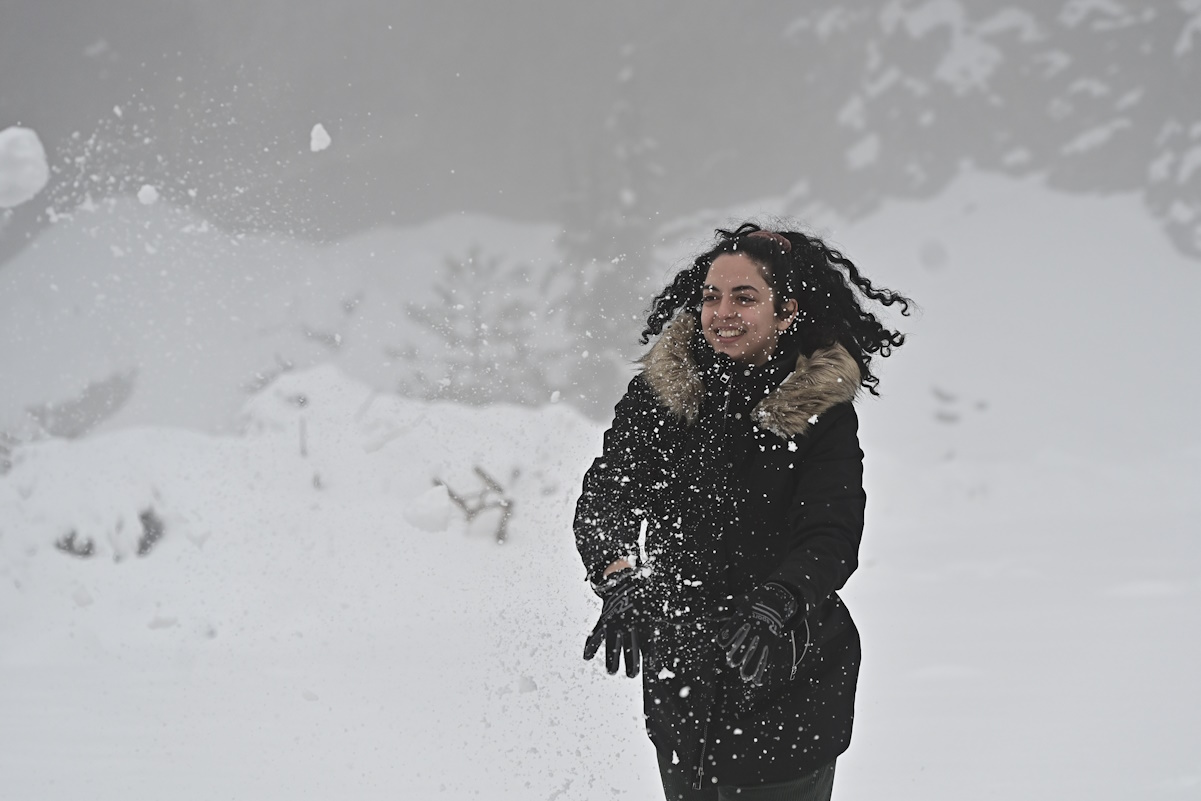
x=739 y=476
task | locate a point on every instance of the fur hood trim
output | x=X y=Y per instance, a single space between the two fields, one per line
x=821 y=381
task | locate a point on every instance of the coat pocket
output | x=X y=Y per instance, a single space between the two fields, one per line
x=786 y=656
x=798 y=660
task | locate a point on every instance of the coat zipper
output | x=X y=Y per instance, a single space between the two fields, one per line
x=725 y=408
x=796 y=663
x=700 y=765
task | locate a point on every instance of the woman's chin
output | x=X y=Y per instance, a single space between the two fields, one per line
x=729 y=347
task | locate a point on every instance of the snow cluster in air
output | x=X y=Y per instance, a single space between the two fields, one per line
x=319 y=138
x=23 y=168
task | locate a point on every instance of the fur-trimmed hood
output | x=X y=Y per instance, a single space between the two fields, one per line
x=820 y=381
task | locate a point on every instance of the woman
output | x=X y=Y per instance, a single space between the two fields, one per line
x=726 y=511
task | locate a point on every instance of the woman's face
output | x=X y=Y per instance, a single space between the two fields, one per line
x=738 y=313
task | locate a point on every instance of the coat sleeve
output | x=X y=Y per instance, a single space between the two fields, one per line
x=609 y=512
x=826 y=515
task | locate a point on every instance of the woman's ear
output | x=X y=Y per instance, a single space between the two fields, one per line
x=786 y=315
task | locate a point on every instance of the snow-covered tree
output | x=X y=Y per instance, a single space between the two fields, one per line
x=497 y=335
x=1094 y=96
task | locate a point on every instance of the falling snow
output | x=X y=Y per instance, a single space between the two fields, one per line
x=319 y=138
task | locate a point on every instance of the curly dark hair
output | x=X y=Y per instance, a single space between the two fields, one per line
x=830 y=292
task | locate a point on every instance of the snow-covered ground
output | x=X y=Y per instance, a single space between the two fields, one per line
x=318 y=621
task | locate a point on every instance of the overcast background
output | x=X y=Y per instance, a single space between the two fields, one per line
x=215 y=328
x=517 y=108
x=626 y=128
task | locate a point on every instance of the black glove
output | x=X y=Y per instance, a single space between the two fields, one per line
x=619 y=620
x=760 y=618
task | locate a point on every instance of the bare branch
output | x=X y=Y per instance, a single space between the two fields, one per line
x=492 y=496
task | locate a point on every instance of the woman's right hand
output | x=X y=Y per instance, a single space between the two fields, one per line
x=618 y=624
x=620 y=564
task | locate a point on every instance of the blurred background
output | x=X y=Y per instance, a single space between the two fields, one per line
x=549 y=111
x=264 y=223
x=606 y=140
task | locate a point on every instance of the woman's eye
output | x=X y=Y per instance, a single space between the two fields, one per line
x=709 y=299
x=745 y=300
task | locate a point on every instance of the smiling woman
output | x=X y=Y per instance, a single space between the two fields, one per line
x=736 y=451
x=739 y=314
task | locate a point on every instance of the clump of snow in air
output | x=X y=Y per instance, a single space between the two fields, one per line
x=147 y=195
x=319 y=138
x=23 y=168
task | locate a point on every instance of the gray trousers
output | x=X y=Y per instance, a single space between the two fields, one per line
x=677 y=786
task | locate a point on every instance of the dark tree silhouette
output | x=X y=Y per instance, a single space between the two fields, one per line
x=1095 y=97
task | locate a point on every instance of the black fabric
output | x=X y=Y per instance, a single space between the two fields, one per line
x=817 y=785
x=730 y=506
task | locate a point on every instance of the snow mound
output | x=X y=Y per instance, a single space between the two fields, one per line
x=311 y=435
x=430 y=511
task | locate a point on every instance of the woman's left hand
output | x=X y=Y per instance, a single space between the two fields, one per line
x=760 y=618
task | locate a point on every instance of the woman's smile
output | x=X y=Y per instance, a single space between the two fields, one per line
x=728 y=333
x=738 y=310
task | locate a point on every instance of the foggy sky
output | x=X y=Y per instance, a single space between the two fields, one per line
x=512 y=109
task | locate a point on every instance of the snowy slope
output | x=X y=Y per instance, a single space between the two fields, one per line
x=1050 y=322
x=318 y=621
x=131 y=314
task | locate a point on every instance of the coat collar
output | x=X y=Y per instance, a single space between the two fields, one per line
x=822 y=380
